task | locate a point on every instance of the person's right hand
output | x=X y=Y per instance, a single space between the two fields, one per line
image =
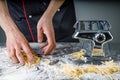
x=16 y=43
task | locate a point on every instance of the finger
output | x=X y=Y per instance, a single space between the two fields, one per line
x=27 y=49
x=20 y=56
x=51 y=42
x=44 y=45
x=48 y=50
x=13 y=56
x=49 y=46
x=8 y=50
x=40 y=35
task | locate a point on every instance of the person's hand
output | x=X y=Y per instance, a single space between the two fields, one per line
x=16 y=43
x=45 y=26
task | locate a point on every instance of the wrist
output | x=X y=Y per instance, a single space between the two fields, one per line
x=11 y=31
x=7 y=24
x=53 y=7
x=46 y=17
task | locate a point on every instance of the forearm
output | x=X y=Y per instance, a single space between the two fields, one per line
x=6 y=21
x=53 y=7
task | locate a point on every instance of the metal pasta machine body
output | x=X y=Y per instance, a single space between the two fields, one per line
x=98 y=31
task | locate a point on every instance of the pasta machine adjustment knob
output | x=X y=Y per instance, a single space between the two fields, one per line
x=100 y=37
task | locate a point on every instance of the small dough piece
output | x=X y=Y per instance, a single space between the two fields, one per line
x=79 y=55
x=27 y=63
x=97 y=52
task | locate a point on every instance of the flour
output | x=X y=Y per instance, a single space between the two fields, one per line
x=49 y=68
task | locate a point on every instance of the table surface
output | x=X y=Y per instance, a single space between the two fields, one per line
x=58 y=57
x=111 y=49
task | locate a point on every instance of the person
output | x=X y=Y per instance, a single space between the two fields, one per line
x=25 y=21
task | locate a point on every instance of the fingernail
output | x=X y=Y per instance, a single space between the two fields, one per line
x=22 y=62
x=39 y=40
x=16 y=61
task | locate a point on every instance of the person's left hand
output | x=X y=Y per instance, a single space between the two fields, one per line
x=45 y=26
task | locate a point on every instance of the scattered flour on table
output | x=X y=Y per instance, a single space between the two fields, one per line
x=62 y=70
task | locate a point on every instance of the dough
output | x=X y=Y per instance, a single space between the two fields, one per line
x=107 y=68
x=79 y=55
x=27 y=63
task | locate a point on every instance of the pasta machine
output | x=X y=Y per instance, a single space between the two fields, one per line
x=98 y=31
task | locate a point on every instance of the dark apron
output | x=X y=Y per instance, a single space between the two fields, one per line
x=63 y=20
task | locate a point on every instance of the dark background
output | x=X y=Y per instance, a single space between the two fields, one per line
x=95 y=10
